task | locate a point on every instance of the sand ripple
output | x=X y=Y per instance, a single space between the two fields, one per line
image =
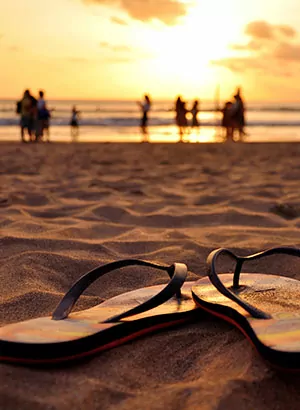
x=64 y=209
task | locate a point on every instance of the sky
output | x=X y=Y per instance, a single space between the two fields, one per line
x=121 y=49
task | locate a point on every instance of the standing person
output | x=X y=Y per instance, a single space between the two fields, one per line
x=27 y=109
x=145 y=108
x=181 y=120
x=183 y=117
x=74 y=123
x=227 y=122
x=178 y=107
x=43 y=116
x=238 y=114
x=194 y=112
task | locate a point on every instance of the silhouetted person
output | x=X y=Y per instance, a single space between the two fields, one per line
x=178 y=106
x=184 y=112
x=238 y=115
x=194 y=112
x=181 y=119
x=227 y=122
x=27 y=109
x=43 y=116
x=74 y=123
x=145 y=108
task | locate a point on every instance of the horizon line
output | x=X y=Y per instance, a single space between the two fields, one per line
x=72 y=99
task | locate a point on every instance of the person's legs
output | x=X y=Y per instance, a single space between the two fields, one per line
x=74 y=132
x=47 y=132
x=25 y=125
x=38 y=130
x=23 y=134
x=31 y=127
x=227 y=134
x=180 y=131
x=230 y=131
x=22 y=126
x=242 y=133
x=31 y=137
x=144 y=134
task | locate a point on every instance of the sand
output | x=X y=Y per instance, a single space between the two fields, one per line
x=66 y=208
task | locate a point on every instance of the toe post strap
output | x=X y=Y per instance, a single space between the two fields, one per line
x=240 y=260
x=177 y=273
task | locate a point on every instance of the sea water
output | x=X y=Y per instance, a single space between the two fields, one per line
x=109 y=121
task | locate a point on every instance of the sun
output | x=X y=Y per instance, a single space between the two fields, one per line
x=183 y=53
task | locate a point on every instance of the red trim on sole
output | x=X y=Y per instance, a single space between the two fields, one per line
x=233 y=322
x=108 y=346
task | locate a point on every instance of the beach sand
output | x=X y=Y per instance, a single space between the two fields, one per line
x=66 y=208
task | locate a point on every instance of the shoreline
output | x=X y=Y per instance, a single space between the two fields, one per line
x=158 y=143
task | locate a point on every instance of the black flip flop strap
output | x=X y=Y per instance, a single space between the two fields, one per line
x=212 y=259
x=177 y=273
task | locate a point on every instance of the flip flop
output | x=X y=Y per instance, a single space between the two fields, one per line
x=266 y=308
x=67 y=336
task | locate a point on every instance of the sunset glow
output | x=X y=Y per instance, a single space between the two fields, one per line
x=120 y=49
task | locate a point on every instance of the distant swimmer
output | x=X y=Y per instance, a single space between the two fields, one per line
x=145 y=107
x=74 y=123
x=194 y=112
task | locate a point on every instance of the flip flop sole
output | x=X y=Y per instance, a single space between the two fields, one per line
x=84 y=333
x=276 y=339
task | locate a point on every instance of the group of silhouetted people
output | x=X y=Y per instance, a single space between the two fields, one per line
x=233 y=120
x=35 y=116
x=181 y=119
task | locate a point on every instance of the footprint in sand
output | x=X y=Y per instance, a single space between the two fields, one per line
x=4 y=201
x=286 y=211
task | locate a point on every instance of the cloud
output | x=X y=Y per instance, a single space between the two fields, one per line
x=117 y=20
x=288 y=31
x=263 y=67
x=286 y=51
x=263 y=35
x=78 y=60
x=108 y=59
x=119 y=60
x=265 y=31
x=119 y=53
x=272 y=49
x=252 y=45
x=239 y=64
x=14 y=49
x=104 y=44
x=167 y=11
x=260 y=30
x=121 y=48
x=111 y=58
x=115 y=48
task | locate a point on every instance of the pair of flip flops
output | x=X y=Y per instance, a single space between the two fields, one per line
x=266 y=308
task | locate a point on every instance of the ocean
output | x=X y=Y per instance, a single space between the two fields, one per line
x=109 y=121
